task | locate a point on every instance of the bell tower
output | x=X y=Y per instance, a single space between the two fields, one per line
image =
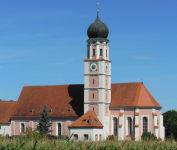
x=97 y=73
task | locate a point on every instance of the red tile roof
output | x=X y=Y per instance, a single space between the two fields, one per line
x=64 y=100
x=83 y=121
x=6 y=109
x=68 y=100
x=131 y=95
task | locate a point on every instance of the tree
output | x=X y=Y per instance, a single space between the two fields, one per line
x=170 y=123
x=44 y=122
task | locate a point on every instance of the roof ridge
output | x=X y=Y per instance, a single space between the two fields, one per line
x=48 y=85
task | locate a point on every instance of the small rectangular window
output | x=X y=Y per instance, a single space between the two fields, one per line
x=93 y=95
x=75 y=137
x=106 y=53
x=85 y=136
x=93 y=52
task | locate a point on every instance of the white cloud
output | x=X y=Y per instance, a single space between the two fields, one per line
x=141 y=57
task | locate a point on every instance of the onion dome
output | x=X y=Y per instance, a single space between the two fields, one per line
x=97 y=29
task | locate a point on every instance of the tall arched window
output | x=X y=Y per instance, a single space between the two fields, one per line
x=129 y=126
x=59 y=129
x=145 y=124
x=115 y=126
x=101 y=52
x=93 y=52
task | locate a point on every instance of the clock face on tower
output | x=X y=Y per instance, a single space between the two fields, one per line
x=93 y=66
x=106 y=68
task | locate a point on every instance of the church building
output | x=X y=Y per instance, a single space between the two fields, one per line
x=93 y=110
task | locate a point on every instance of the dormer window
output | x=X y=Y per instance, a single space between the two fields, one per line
x=93 y=52
x=101 y=52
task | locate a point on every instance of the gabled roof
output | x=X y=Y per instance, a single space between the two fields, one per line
x=68 y=100
x=83 y=121
x=6 y=109
x=62 y=100
x=131 y=95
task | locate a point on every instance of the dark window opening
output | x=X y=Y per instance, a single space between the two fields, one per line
x=85 y=136
x=101 y=52
x=106 y=53
x=75 y=136
x=93 y=108
x=115 y=126
x=129 y=126
x=22 y=127
x=93 y=95
x=93 y=52
x=93 y=81
x=59 y=129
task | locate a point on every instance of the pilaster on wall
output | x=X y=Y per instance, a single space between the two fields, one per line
x=121 y=125
x=155 y=126
x=136 y=124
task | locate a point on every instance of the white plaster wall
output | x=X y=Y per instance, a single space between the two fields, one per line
x=86 y=67
x=97 y=50
x=104 y=50
x=108 y=50
x=101 y=112
x=109 y=73
x=5 y=129
x=162 y=128
x=91 y=53
x=101 y=67
x=90 y=131
x=86 y=96
x=101 y=81
x=86 y=81
x=101 y=95
x=86 y=106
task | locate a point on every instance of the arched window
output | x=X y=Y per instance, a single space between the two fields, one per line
x=100 y=137
x=93 y=81
x=115 y=126
x=93 y=95
x=101 y=52
x=59 y=129
x=93 y=52
x=96 y=137
x=22 y=127
x=106 y=53
x=145 y=124
x=129 y=126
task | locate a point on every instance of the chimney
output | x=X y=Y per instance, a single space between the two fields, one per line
x=89 y=119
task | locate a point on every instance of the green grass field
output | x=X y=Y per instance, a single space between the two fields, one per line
x=44 y=143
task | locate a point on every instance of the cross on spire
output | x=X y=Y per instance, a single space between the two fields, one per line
x=97 y=9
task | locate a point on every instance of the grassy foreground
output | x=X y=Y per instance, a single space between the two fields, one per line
x=45 y=143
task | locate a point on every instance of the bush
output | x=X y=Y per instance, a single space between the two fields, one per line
x=110 y=137
x=33 y=134
x=148 y=136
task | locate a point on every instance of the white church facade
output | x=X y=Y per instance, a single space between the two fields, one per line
x=93 y=110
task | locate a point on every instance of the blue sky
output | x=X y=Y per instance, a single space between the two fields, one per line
x=44 y=43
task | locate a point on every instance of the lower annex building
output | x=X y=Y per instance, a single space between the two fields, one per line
x=93 y=110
